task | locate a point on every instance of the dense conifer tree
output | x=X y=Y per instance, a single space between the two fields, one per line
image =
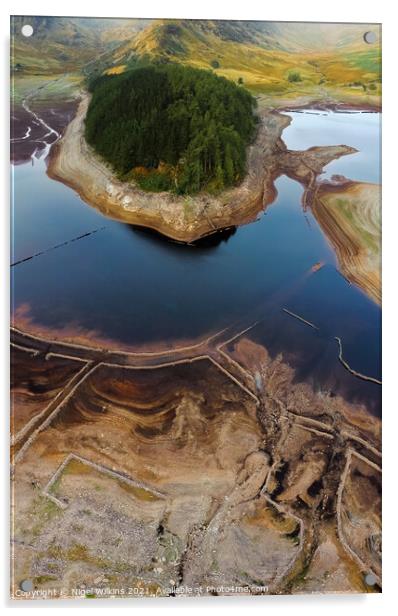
x=187 y=125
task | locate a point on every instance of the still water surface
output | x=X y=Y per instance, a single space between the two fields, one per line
x=134 y=287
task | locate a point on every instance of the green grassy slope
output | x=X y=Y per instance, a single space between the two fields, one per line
x=63 y=44
x=331 y=61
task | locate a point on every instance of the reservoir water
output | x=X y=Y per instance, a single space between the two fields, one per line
x=134 y=288
x=361 y=130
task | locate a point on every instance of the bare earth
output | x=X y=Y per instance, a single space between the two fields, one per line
x=189 y=476
x=187 y=218
x=350 y=216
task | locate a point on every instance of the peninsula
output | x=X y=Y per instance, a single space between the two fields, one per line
x=188 y=216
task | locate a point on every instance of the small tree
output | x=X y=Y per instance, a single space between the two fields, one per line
x=294 y=77
x=240 y=81
x=215 y=64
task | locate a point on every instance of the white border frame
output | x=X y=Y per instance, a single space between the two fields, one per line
x=365 y=11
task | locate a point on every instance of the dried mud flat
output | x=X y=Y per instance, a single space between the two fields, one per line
x=188 y=218
x=29 y=136
x=215 y=475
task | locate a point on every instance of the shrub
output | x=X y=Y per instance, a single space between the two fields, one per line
x=294 y=77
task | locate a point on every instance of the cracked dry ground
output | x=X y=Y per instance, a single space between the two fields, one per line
x=169 y=478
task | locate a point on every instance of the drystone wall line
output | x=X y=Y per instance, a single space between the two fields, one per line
x=56 y=401
x=225 y=371
x=100 y=468
x=97 y=350
x=311 y=421
x=19 y=455
x=299 y=318
x=315 y=431
x=280 y=577
x=348 y=367
x=25 y=349
x=340 y=532
x=361 y=441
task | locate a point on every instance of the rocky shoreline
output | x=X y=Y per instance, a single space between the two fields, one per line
x=188 y=218
x=182 y=218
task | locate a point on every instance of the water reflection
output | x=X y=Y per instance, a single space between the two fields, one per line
x=204 y=243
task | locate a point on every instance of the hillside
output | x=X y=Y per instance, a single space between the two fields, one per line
x=285 y=62
x=63 y=44
x=331 y=59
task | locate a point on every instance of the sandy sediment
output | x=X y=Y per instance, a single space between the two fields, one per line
x=187 y=218
x=350 y=215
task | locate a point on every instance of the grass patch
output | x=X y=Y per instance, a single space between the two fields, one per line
x=151 y=180
x=43 y=579
x=294 y=77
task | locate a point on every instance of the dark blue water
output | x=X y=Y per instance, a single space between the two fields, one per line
x=134 y=287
